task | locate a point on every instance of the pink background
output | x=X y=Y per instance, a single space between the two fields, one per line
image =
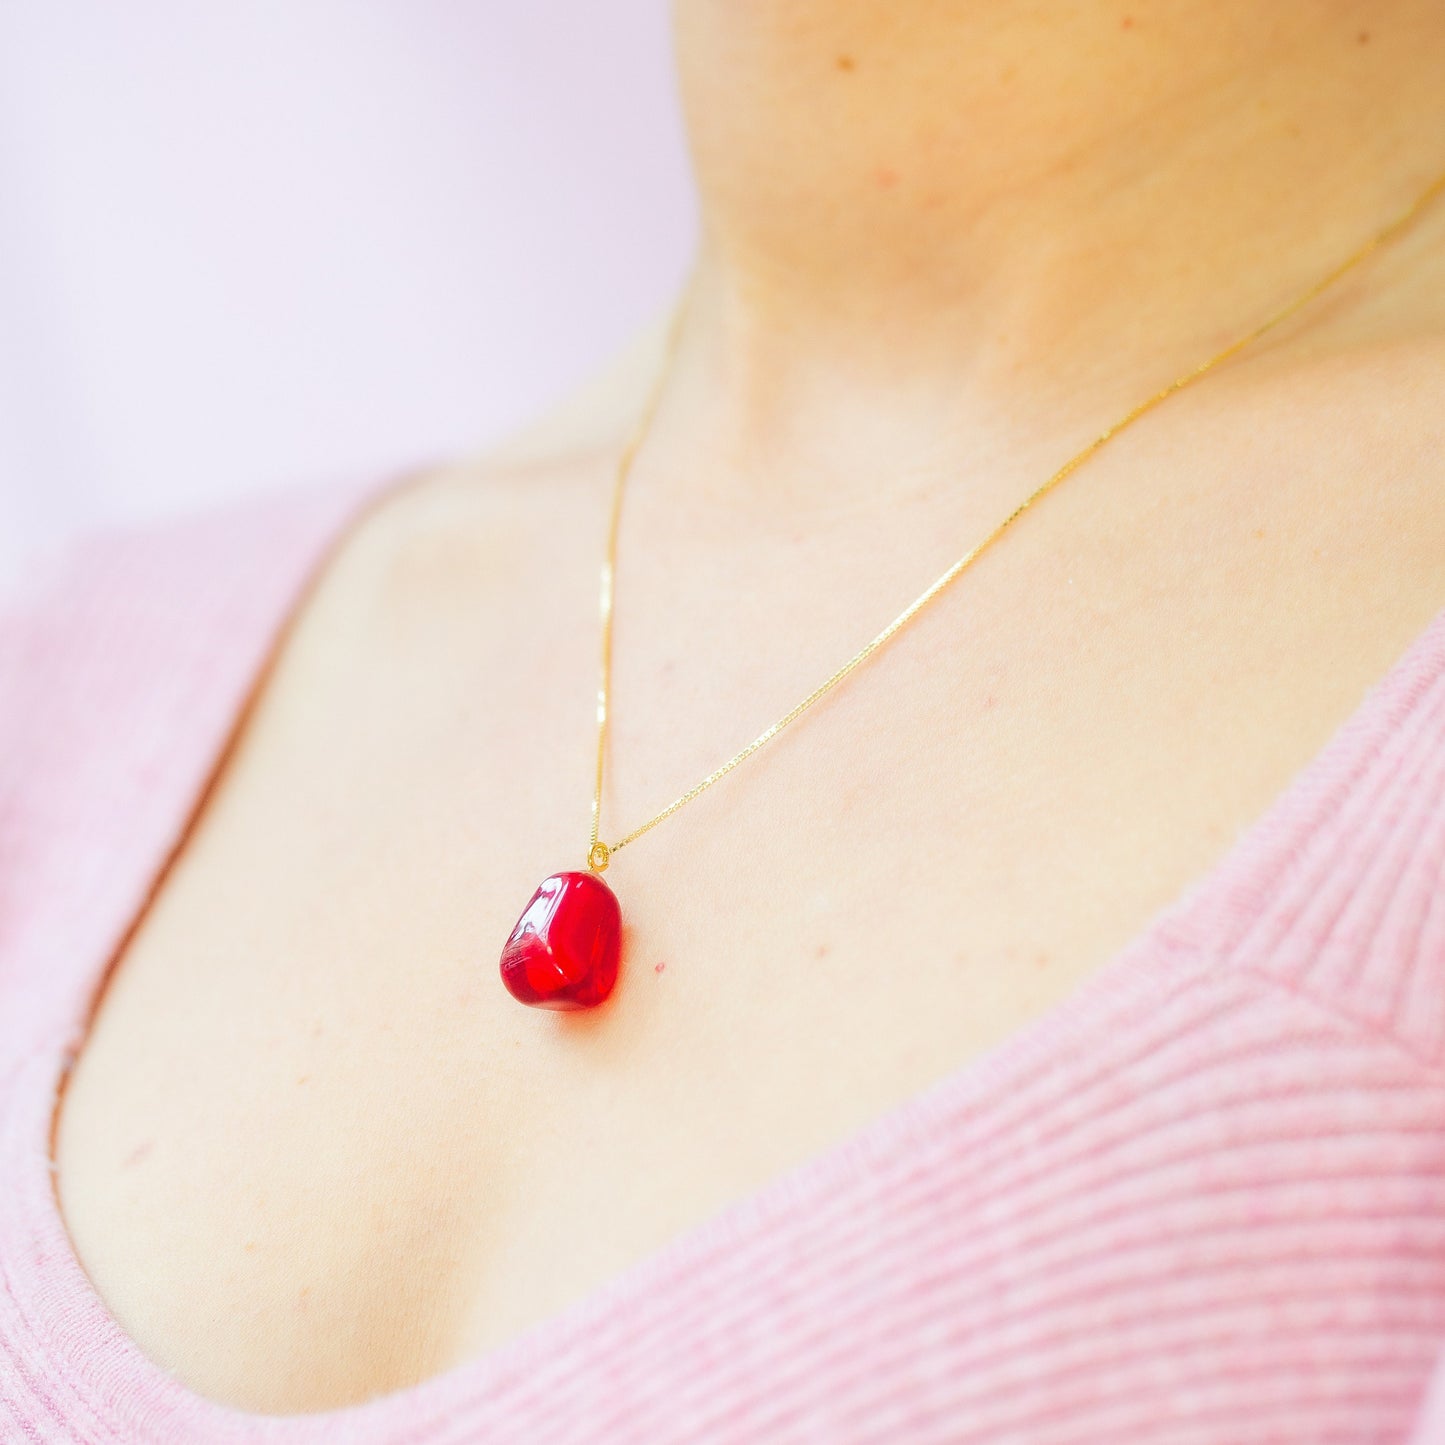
x=245 y=245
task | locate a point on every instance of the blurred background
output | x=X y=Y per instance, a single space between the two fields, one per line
x=249 y=245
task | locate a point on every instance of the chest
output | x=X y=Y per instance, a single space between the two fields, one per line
x=313 y=1149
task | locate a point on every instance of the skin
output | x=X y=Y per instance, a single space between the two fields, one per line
x=311 y=1151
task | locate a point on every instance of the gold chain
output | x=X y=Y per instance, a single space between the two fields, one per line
x=599 y=852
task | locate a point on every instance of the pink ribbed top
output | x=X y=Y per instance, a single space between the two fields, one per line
x=1203 y=1200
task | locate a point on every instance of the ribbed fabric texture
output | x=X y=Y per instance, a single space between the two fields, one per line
x=1201 y=1201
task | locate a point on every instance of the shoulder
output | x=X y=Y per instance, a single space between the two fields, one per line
x=118 y=614
x=112 y=607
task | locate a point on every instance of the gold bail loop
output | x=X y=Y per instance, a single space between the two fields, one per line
x=599 y=856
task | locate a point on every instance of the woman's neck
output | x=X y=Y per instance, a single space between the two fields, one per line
x=977 y=212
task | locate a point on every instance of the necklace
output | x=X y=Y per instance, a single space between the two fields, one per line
x=565 y=950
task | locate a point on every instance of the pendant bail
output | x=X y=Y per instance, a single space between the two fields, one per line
x=598 y=856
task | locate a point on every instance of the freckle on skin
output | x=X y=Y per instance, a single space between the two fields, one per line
x=304 y=1079
x=1259 y=532
x=1041 y=960
x=1363 y=38
x=1127 y=23
x=847 y=64
x=821 y=951
x=886 y=177
x=137 y=1154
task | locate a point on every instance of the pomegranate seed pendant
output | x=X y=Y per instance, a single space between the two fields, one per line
x=564 y=951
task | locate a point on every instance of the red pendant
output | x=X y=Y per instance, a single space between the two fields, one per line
x=564 y=951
